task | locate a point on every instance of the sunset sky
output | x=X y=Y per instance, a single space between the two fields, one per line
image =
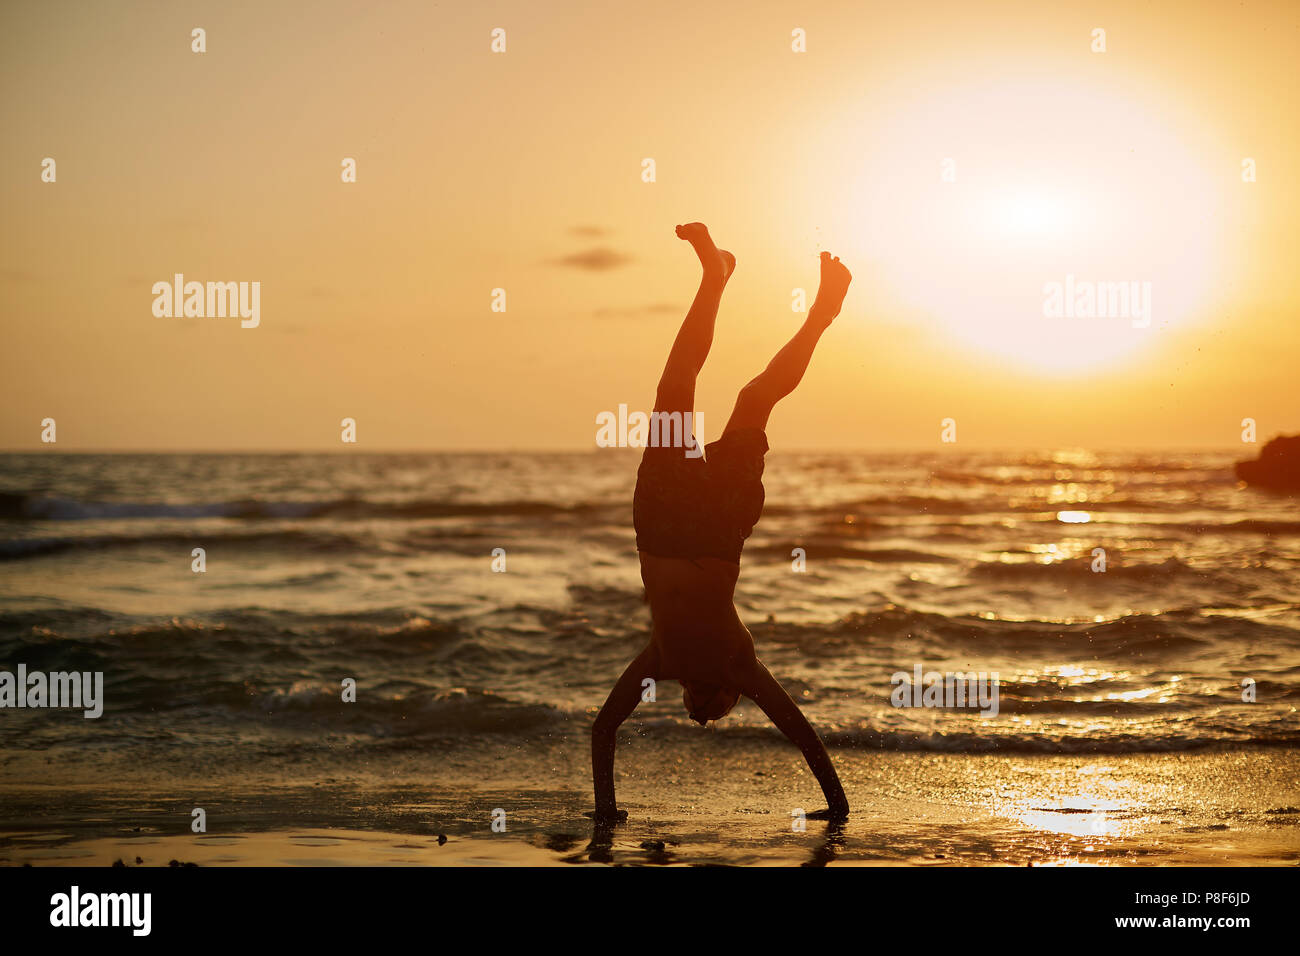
x=522 y=171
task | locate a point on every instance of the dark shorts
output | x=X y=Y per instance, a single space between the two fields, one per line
x=700 y=507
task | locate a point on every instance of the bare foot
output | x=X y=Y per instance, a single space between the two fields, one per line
x=834 y=284
x=717 y=263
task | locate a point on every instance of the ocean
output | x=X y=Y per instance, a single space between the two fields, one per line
x=379 y=568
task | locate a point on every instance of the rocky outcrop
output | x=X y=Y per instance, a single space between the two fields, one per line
x=1277 y=467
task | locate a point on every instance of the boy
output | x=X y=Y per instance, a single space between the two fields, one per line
x=692 y=516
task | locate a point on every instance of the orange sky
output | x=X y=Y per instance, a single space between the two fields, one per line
x=522 y=171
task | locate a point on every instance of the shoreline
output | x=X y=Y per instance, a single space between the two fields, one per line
x=694 y=805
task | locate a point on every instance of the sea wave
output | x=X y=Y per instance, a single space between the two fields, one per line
x=311 y=713
x=19 y=506
x=300 y=541
x=1174 y=631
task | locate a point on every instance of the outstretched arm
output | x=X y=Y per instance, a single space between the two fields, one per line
x=766 y=691
x=619 y=705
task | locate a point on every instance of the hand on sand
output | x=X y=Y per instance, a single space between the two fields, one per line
x=834 y=285
x=828 y=814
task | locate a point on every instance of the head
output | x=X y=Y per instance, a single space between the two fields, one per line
x=705 y=702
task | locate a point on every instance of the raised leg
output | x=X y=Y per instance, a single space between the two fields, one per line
x=676 y=392
x=784 y=372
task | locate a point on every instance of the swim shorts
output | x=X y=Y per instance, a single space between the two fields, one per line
x=700 y=507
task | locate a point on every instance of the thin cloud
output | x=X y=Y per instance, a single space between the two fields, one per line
x=595 y=259
x=633 y=312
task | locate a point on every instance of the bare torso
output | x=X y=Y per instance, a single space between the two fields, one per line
x=696 y=632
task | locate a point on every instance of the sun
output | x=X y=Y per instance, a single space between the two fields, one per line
x=1018 y=191
x=1020 y=214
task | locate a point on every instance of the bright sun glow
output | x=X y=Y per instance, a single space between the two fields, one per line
x=1068 y=185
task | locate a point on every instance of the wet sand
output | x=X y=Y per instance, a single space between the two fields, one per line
x=688 y=804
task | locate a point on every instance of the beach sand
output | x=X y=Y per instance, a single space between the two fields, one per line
x=691 y=803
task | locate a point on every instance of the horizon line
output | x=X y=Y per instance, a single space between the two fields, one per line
x=577 y=450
